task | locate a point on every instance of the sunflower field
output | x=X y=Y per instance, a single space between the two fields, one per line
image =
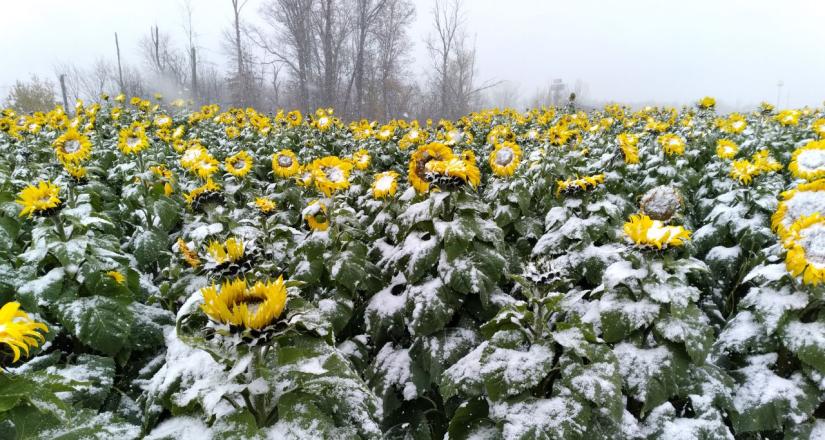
x=217 y=274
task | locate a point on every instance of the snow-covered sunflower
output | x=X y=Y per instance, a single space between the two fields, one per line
x=78 y=172
x=806 y=249
x=132 y=139
x=285 y=163
x=330 y=174
x=264 y=204
x=661 y=203
x=788 y=117
x=744 y=171
x=230 y=251
x=162 y=121
x=672 y=144
x=72 y=147
x=446 y=173
x=418 y=162
x=707 y=102
x=208 y=188
x=385 y=184
x=726 y=149
x=304 y=177
x=413 y=137
x=644 y=231
x=18 y=331
x=316 y=216
x=628 y=143
x=38 y=199
x=294 y=118
x=808 y=162
x=232 y=132
x=240 y=305
x=385 y=133
x=818 y=127
x=504 y=158
x=579 y=183
x=803 y=201
x=361 y=159
x=198 y=160
x=239 y=164
x=190 y=256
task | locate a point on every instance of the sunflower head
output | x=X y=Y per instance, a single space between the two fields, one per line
x=806 y=249
x=504 y=158
x=285 y=164
x=208 y=191
x=646 y=232
x=808 y=162
x=228 y=252
x=743 y=171
x=661 y=203
x=330 y=174
x=628 y=145
x=361 y=159
x=316 y=216
x=578 y=184
x=418 y=162
x=116 y=276
x=707 y=102
x=672 y=144
x=726 y=149
x=265 y=205
x=243 y=307
x=132 y=139
x=72 y=147
x=385 y=184
x=452 y=173
x=18 y=331
x=239 y=164
x=188 y=254
x=40 y=199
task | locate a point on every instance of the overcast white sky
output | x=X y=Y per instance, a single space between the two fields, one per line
x=625 y=50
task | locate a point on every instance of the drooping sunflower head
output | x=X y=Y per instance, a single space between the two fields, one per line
x=78 y=172
x=72 y=147
x=504 y=158
x=331 y=174
x=228 y=252
x=628 y=145
x=239 y=164
x=316 y=216
x=18 y=331
x=285 y=164
x=646 y=232
x=385 y=184
x=243 y=307
x=361 y=159
x=190 y=256
x=418 y=162
x=808 y=162
x=39 y=199
x=452 y=173
x=806 y=249
x=726 y=149
x=265 y=204
x=578 y=184
x=208 y=191
x=133 y=139
x=661 y=203
x=672 y=144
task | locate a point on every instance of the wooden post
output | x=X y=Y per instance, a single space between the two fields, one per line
x=63 y=90
x=119 y=68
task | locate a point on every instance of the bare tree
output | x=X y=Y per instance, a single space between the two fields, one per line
x=392 y=49
x=167 y=63
x=447 y=20
x=366 y=14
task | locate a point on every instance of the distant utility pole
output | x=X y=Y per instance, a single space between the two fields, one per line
x=119 y=68
x=63 y=90
x=194 y=76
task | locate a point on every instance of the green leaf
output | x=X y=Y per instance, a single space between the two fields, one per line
x=168 y=212
x=150 y=248
x=103 y=324
x=430 y=306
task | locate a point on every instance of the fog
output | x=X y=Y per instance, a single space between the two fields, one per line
x=632 y=51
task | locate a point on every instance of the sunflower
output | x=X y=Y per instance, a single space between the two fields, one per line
x=744 y=171
x=232 y=132
x=788 y=117
x=413 y=137
x=330 y=174
x=116 y=276
x=18 y=330
x=285 y=163
x=78 y=172
x=418 y=162
x=644 y=231
x=239 y=305
x=707 y=102
x=672 y=144
x=726 y=149
x=805 y=200
x=808 y=162
x=239 y=165
x=451 y=171
x=385 y=133
x=661 y=202
x=199 y=161
x=132 y=140
x=190 y=256
x=162 y=121
x=304 y=177
x=361 y=159
x=806 y=249
x=230 y=251
x=579 y=183
x=504 y=158
x=818 y=127
x=628 y=145
x=385 y=184
x=316 y=216
x=210 y=187
x=469 y=155
x=38 y=199
x=264 y=204
x=294 y=118
x=72 y=147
